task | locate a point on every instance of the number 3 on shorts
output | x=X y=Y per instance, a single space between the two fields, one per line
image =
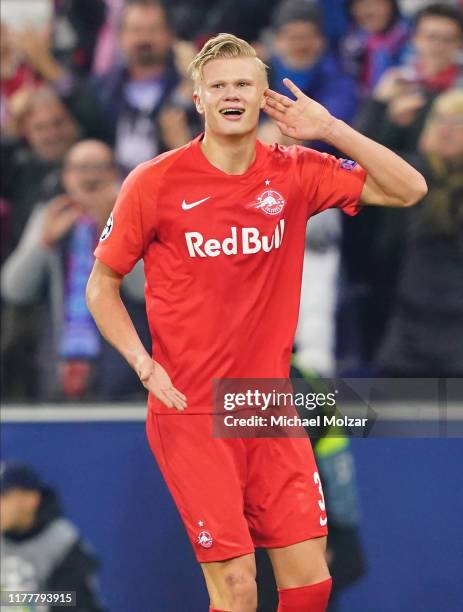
x=321 y=501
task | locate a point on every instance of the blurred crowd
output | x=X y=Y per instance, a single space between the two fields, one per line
x=91 y=88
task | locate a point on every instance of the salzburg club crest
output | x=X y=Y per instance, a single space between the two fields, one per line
x=205 y=539
x=270 y=202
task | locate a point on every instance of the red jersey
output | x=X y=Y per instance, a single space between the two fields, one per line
x=223 y=257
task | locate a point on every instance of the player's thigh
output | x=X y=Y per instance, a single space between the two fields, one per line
x=231 y=580
x=300 y=564
x=284 y=501
x=206 y=478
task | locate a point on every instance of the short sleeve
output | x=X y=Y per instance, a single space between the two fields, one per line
x=129 y=228
x=329 y=182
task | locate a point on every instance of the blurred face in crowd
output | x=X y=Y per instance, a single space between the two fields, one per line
x=49 y=130
x=145 y=36
x=374 y=16
x=230 y=95
x=89 y=168
x=300 y=43
x=437 y=41
x=18 y=508
x=443 y=135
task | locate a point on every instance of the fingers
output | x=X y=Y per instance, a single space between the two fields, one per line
x=179 y=394
x=276 y=97
x=178 y=399
x=170 y=397
x=274 y=113
x=164 y=398
x=59 y=203
x=174 y=399
x=156 y=381
x=279 y=117
x=293 y=88
x=272 y=103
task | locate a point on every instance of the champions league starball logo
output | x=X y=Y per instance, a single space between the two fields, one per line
x=348 y=164
x=107 y=228
x=270 y=202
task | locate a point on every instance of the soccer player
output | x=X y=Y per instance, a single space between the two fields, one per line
x=220 y=224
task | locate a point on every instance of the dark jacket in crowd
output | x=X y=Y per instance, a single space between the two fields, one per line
x=26 y=180
x=374 y=122
x=425 y=335
x=108 y=90
x=51 y=556
x=76 y=27
x=203 y=18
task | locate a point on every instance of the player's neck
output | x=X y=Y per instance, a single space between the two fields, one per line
x=232 y=155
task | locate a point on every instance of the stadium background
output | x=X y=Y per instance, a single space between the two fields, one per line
x=372 y=65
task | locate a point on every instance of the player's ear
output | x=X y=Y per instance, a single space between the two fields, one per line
x=262 y=100
x=198 y=103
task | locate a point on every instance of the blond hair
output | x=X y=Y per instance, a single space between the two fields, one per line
x=449 y=103
x=222 y=46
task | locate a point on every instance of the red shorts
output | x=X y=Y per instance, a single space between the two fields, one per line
x=237 y=494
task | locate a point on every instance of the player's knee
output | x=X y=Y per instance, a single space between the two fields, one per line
x=242 y=589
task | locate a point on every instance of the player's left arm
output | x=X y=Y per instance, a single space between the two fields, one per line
x=390 y=181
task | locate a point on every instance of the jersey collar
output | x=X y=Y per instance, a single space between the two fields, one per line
x=202 y=161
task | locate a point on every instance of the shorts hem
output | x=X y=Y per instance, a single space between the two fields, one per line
x=282 y=543
x=225 y=556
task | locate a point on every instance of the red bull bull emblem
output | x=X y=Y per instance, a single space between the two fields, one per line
x=205 y=539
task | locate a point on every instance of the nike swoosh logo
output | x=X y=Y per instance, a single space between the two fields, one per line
x=186 y=206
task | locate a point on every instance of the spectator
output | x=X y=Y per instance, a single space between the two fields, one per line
x=15 y=73
x=397 y=111
x=63 y=47
x=54 y=259
x=395 y=116
x=31 y=170
x=425 y=336
x=31 y=173
x=375 y=40
x=300 y=53
x=40 y=549
x=132 y=95
x=40 y=61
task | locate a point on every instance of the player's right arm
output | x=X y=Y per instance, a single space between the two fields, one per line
x=130 y=229
x=103 y=297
